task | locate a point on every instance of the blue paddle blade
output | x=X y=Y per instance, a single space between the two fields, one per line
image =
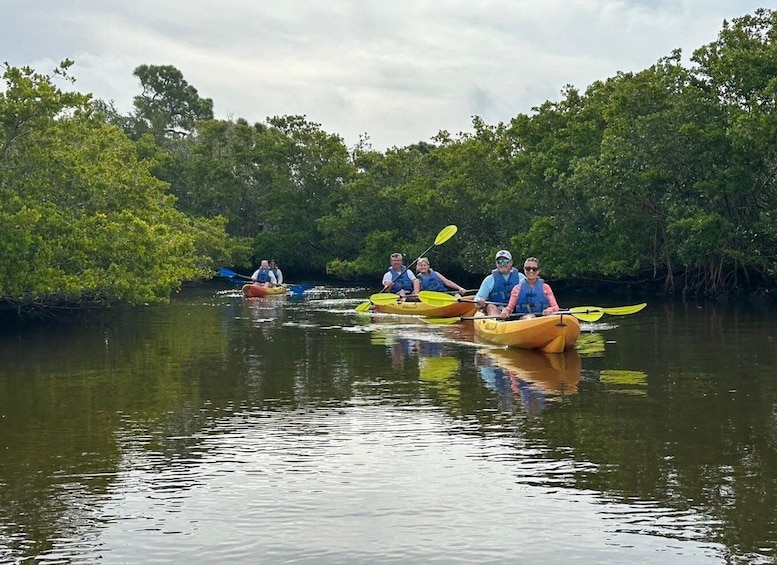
x=300 y=288
x=224 y=272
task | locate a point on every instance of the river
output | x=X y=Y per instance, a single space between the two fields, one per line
x=221 y=429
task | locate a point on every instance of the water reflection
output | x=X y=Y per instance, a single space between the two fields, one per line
x=186 y=429
x=529 y=379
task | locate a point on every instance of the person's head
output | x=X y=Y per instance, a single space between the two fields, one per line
x=265 y=264
x=272 y=264
x=423 y=265
x=396 y=261
x=504 y=261
x=531 y=268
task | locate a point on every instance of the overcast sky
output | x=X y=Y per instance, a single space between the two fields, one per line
x=396 y=70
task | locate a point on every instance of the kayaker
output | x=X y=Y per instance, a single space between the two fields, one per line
x=533 y=297
x=276 y=271
x=400 y=280
x=264 y=276
x=497 y=286
x=432 y=280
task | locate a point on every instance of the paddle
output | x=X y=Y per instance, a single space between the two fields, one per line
x=230 y=274
x=584 y=313
x=294 y=288
x=445 y=234
x=385 y=299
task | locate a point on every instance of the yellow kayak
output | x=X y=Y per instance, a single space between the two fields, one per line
x=255 y=290
x=466 y=308
x=551 y=334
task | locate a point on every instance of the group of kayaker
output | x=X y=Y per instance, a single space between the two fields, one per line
x=504 y=291
x=268 y=274
x=404 y=282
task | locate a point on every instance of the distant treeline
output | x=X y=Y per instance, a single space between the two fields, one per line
x=664 y=178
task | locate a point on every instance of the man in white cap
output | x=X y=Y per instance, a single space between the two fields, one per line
x=497 y=286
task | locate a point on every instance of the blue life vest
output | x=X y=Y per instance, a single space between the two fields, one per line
x=401 y=282
x=502 y=288
x=532 y=300
x=431 y=281
x=275 y=272
x=263 y=276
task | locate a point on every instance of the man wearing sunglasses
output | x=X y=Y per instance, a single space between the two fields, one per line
x=533 y=297
x=497 y=286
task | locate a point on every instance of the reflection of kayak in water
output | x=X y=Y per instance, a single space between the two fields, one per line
x=441 y=374
x=555 y=373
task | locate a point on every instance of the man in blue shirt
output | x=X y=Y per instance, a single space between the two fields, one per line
x=497 y=286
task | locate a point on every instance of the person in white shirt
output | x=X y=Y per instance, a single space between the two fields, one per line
x=276 y=271
x=264 y=276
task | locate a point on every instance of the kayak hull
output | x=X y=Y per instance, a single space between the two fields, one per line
x=466 y=308
x=550 y=334
x=255 y=290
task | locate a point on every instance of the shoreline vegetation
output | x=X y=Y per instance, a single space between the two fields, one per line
x=663 y=180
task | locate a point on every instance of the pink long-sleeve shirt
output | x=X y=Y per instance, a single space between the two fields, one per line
x=548 y=294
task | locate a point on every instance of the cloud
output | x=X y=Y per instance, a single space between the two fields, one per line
x=399 y=71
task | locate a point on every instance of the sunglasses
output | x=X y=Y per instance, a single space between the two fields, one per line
x=531 y=268
x=502 y=261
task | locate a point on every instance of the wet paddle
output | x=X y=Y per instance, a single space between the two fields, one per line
x=583 y=313
x=230 y=274
x=445 y=234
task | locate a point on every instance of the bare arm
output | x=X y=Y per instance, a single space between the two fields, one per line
x=449 y=283
x=507 y=310
x=551 y=300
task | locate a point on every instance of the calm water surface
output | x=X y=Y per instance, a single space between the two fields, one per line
x=218 y=429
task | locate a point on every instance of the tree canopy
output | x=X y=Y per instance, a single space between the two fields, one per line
x=664 y=177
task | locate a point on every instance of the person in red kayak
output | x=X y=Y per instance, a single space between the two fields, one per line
x=400 y=280
x=264 y=276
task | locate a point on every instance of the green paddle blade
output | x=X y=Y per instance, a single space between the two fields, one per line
x=433 y=298
x=445 y=234
x=364 y=307
x=384 y=299
x=624 y=310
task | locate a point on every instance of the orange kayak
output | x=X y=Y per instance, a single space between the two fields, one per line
x=551 y=334
x=466 y=308
x=255 y=290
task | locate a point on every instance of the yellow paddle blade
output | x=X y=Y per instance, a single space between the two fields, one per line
x=433 y=298
x=441 y=321
x=624 y=310
x=586 y=314
x=445 y=234
x=364 y=307
x=384 y=299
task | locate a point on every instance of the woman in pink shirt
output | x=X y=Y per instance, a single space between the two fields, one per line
x=533 y=297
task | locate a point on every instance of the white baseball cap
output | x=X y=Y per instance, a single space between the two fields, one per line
x=504 y=253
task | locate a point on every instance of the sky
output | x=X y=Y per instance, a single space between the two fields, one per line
x=395 y=71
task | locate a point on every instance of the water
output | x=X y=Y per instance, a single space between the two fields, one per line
x=218 y=429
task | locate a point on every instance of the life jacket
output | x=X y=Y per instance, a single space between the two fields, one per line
x=263 y=276
x=275 y=272
x=532 y=300
x=401 y=282
x=502 y=288
x=431 y=281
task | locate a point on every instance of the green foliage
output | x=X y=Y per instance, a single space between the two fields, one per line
x=168 y=105
x=82 y=218
x=667 y=176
